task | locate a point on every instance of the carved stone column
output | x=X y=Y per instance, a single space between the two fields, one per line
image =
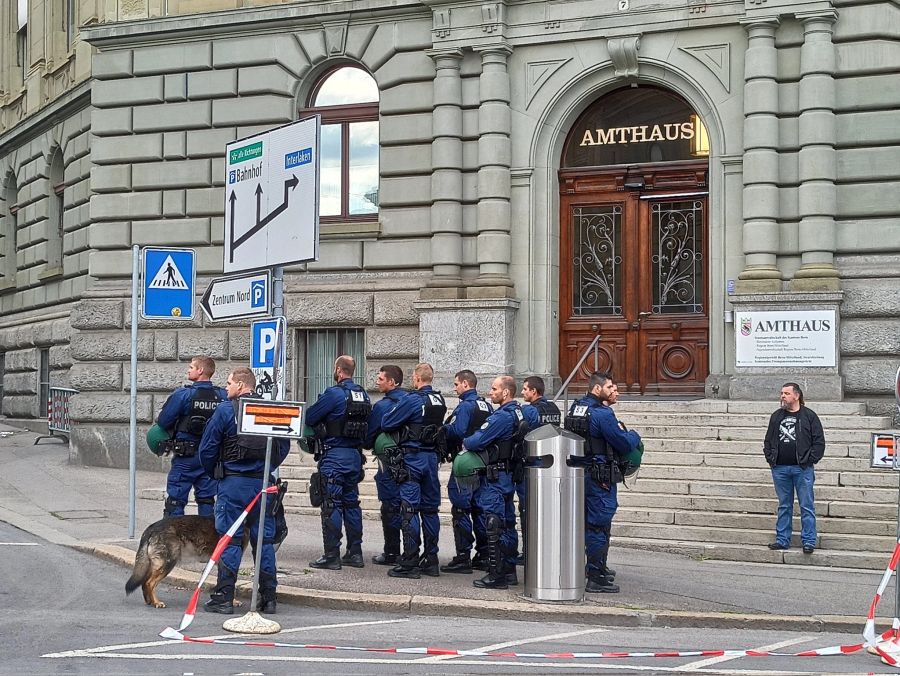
x=760 y=195
x=446 y=177
x=817 y=163
x=494 y=158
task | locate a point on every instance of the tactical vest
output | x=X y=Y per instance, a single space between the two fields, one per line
x=514 y=447
x=433 y=411
x=242 y=447
x=548 y=412
x=354 y=424
x=578 y=421
x=480 y=413
x=203 y=404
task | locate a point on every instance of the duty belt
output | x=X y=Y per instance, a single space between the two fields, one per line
x=248 y=474
x=179 y=447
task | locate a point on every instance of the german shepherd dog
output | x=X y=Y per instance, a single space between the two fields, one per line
x=164 y=543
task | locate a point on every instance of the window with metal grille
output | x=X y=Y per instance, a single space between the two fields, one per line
x=320 y=348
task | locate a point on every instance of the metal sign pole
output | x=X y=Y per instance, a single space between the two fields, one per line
x=132 y=427
x=277 y=311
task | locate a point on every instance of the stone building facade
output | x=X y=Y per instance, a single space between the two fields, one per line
x=546 y=172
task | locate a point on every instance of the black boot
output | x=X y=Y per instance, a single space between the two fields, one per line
x=479 y=562
x=496 y=576
x=354 y=559
x=391 y=554
x=266 y=603
x=408 y=568
x=458 y=564
x=598 y=583
x=428 y=565
x=222 y=598
x=328 y=561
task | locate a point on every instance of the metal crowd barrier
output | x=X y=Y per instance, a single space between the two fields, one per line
x=58 y=422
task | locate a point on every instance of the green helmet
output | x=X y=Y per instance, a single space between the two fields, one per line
x=467 y=468
x=308 y=433
x=383 y=443
x=632 y=459
x=155 y=435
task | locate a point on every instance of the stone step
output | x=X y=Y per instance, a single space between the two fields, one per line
x=731 y=536
x=641 y=419
x=723 y=433
x=740 y=521
x=744 y=447
x=759 y=553
x=739 y=407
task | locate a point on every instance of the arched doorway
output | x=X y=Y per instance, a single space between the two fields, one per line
x=633 y=242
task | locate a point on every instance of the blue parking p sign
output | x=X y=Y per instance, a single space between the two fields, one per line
x=167 y=283
x=264 y=334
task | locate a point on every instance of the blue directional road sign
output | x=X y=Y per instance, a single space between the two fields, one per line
x=264 y=339
x=167 y=283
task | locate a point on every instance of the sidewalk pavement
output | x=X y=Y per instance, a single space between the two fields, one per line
x=87 y=508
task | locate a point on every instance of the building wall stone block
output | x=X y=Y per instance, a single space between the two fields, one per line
x=212 y=84
x=169 y=116
x=870 y=337
x=165 y=347
x=112 y=65
x=266 y=80
x=871 y=297
x=174 y=145
x=171 y=174
x=127 y=92
x=305 y=310
x=256 y=110
x=171 y=58
x=394 y=342
x=111 y=178
x=396 y=308
x=126 y=206
x=211 y=342
x=60 y=357
x=21 y=360
x=111 y=235
x=239 y=344
x=110 y=121
x=388 y=255
x=100 y=377
x=869 y=375
x=161 y=376
x=209 y=142
x=90 y=407
x=20 y=406
x=126 y=149
x=96 y=346
x=205 y=202
x=175 y=88
x=92 y=314
x=20 y=383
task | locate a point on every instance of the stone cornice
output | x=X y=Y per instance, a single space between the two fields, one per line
x=36 y=123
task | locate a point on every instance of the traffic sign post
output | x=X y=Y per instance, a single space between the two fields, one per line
x=272 y=198
x=168 y=278
x=267 y=342
x=238 y=297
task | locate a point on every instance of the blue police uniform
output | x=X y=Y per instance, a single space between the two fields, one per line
x=241 y=461
x=185 y=415
x=339 y=417
x=388 y=490
x=494 y=496
x=471 y=412
x=538 y=413
x=605 y=438
x=418 y=416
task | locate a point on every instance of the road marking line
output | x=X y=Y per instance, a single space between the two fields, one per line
x=82 y=652
x=515 y=664
x=20 y=544
x=694 y=666
x=507 y=644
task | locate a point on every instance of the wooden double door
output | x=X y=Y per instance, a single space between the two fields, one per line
x=634 y=270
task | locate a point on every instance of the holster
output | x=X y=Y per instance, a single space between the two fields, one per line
x=518 y=472
x=219 y=471
x=396 y=466
x=316 y=490
x=178 y=447
x=492 y=472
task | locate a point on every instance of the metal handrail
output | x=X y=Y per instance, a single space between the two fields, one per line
x=594 y=346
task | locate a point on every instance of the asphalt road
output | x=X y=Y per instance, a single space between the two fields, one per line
x=66 y=613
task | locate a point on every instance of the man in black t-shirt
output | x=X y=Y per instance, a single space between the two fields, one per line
x=794 y=443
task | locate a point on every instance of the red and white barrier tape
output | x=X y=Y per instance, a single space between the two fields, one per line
x=871 y=639
x=214 y=559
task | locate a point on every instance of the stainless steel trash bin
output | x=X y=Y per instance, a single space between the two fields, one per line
x=554 y=558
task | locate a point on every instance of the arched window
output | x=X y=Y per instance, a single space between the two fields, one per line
x=347 y=100
x=8 y=230
x=55 y=212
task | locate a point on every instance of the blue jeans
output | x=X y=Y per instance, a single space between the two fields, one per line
x=790 y=479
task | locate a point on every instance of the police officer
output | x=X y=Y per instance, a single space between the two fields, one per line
x=606 y=439
x=538 y=411
x=498 y=441
x=184 y=417
x=340 y=418
x=238 y=463
x=418 y=418
x=468 y=416
x=388 y=382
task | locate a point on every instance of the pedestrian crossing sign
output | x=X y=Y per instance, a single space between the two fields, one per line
x=168 y=279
